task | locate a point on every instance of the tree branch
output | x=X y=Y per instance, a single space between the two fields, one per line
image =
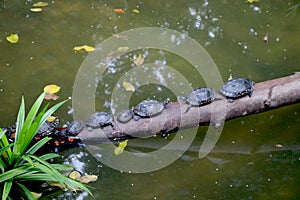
x=267 y=95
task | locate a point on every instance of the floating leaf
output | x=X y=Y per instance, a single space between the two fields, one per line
x=128 y=86
x=40 y=4
x=252 y=1
x=74 y=175
x=84 y=47
x=36 y=195
x=279 y=145
x=36 y=9
x=119 y=10
x=87 y=178
x=139 y=60
x=51 y=89
x=135 y=11
x=121 y=147
x=51 y=119
x=51 y=97
x=13 y=38
x=122 y=49
x=230 y=77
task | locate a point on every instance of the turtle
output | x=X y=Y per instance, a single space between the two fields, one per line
x=125 y=116
x=236 y=88
x=199 y=97
x=149 y=108
x=47 y=128
x=99 y=120
x=74 y=127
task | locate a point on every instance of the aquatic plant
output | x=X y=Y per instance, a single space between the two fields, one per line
x=20 y=166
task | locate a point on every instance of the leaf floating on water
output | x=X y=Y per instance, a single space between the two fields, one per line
x=279 y=145
x=51 y=97
x=87 y=178
x=128 y=86
x=74 y=175
x=51 y=89
x=36 y=9
x=139 y=60
x=51 y=119
x=40 y=4
x=230 y=77
x=13 y=38
x=119 y=10
x=135 y=11
x=36 y=195
x=252 y=1
x=122 y=49
x=84 y=47
x=121 y=147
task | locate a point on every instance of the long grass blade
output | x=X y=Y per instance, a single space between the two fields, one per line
x=49 y=156
x=20 y=118
x=6 y=189
x=34 y=148
x=12 y=173
x=26 y=192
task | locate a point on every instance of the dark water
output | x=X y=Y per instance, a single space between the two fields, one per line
x=245 y=163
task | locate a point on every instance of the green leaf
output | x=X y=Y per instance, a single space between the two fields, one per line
x=49 y=156
x=6 y=189
x=26 y=192
x=38 y=145
x=12 y=173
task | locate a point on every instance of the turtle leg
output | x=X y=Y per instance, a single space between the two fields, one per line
x=250 y=94
x=136 y=117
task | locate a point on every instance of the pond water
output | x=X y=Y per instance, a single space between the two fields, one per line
x=256 y=157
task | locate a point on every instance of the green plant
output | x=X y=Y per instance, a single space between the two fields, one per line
x=18 y=164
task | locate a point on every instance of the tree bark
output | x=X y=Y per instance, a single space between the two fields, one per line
x=267 y=95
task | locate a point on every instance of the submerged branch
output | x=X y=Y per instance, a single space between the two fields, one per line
x=267 y=95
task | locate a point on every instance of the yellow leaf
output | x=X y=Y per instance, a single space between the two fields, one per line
x=123 y=144
x=121 y=147
x=230 y=77
x=13 y=38
x=36 y=195
x=139 y=60
x=252 y=1
x=87 y=178
x=51 y=119
x=128 y=86
x=51 y=89
x=118 y=151
x=135 y=11
x=84 y=47
x=40 y=4
x=74 y=175
x=36 y=9
x=122 y=49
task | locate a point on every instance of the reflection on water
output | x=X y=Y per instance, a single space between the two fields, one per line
x=245 y=164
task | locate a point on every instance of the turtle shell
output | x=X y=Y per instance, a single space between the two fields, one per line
x=200 y=96
x=125 y=116
x=149 y=108
x=47 y=128
x=237 y=87
x=99 y=119
x=75 y=127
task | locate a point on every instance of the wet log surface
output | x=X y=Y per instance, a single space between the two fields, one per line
x=267 y=95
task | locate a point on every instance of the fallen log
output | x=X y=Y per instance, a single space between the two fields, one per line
x=267 y=95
